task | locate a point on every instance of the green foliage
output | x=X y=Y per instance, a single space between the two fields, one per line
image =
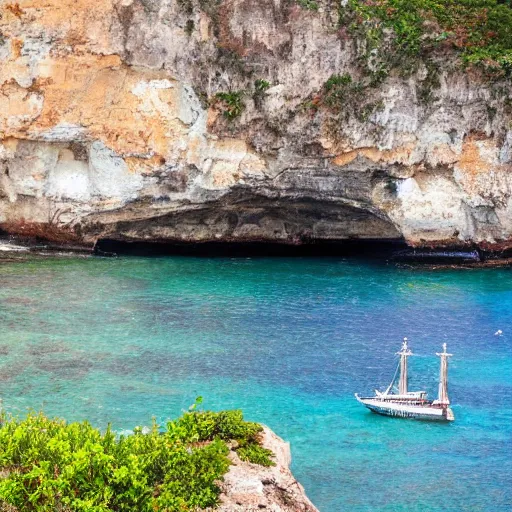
x=341 y=93
x=346 y=99
x=260 y=86
x=233 y=103
x=481 y=30
x=256 y=454
x=338 y=81
x=50 y=465
x=310 y=5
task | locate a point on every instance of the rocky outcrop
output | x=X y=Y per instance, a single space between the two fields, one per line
x=112 y=126
x=246 y=487
x=249 y=487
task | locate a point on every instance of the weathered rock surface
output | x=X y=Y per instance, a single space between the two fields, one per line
x=109 y=128
x=248 y=487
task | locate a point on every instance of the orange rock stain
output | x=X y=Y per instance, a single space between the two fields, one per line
x=399 y=155
x=471 y=161
x=96 y=93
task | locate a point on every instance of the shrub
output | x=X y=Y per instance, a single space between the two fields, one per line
x=232 y=102
x=260 y=86
x=341 y=93
x=48 y=464
x=256 y=454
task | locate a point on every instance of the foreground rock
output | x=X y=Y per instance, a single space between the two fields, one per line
x=111 y=127
x=248 y=487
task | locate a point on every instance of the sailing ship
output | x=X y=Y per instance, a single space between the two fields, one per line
x=412 y=404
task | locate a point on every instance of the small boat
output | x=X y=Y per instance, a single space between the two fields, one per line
x=412 y=404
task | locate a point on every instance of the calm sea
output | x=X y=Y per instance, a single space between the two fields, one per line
x=289 y=341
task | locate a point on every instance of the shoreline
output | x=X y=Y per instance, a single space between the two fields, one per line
x=13 y=248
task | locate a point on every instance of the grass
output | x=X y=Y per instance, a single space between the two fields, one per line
x=48 y=464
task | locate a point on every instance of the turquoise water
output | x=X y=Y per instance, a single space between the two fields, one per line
x=289 y=341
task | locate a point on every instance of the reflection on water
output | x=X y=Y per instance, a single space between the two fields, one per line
x=289 y=341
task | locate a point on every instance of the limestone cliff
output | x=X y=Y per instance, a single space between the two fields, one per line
x=249 y=487
x=201 y=120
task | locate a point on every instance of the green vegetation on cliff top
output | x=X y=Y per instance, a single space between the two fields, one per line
x=47 y=464
x=480 y=29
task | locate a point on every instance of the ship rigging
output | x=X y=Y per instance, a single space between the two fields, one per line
x=412 y=404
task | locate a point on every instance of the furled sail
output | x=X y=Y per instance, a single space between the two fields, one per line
x=443 y=377
x=404 y=353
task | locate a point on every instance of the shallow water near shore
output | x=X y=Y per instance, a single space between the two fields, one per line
x=289 y=341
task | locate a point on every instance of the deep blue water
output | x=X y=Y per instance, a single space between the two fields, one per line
x=289 y=341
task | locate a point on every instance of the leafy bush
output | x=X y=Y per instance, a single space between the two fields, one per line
x=260 y=86
x=47 y=464
x=343 y=95
x=346 y=99
x=338 y=89
x=256 y=454
x=233 y=103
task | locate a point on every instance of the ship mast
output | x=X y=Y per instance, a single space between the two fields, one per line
x=404 y=353
x=443 y=377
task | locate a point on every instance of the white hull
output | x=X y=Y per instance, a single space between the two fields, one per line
x=408 y=410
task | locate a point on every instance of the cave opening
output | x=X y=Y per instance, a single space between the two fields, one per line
x=374 y=249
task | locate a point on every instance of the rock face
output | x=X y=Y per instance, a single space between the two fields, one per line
x=111 y=126
x=248 y=487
